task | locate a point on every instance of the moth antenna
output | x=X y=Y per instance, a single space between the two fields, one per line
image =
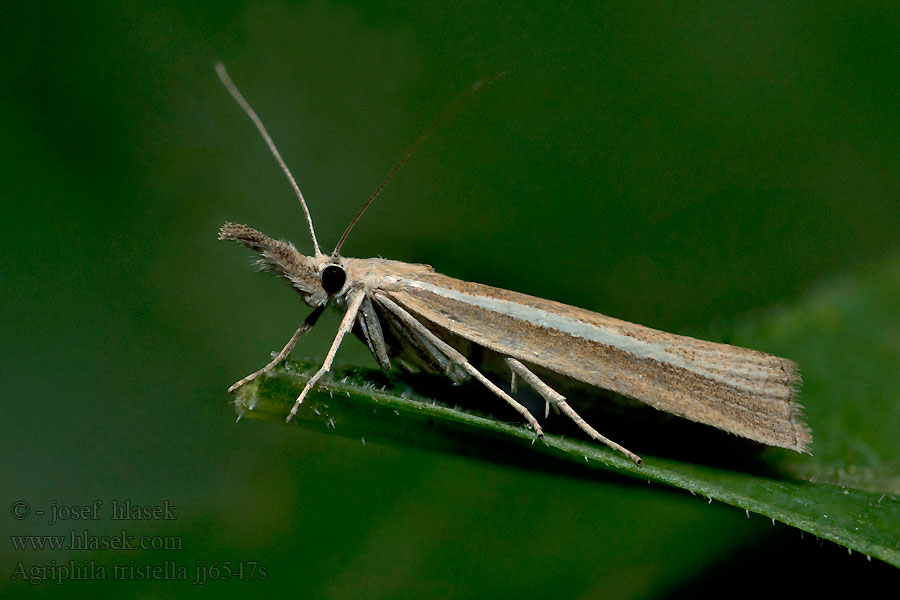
x=236 y=94
x=445 y=114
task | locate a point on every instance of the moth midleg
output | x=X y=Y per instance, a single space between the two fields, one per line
x=418 y=353
x=456 y=356
x=304 y=327
x=443 y=363
x=553 y=397
x=356 y=298
x=371 y=328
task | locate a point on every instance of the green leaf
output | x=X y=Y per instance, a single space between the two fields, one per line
x=846 y=336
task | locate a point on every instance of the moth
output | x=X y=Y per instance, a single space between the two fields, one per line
x=409 y=314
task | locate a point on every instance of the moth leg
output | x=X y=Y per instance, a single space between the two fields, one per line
x=346 y=325
x=304 y=327
x=514 y=387
x=553 y=397
x=427 y=355
x=455 y=355
x=371 y=328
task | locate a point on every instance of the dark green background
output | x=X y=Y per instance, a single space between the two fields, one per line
x=679 y=166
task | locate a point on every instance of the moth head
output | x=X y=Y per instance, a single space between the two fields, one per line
x=315 y=277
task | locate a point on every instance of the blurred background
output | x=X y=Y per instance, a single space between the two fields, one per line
x=677 y=166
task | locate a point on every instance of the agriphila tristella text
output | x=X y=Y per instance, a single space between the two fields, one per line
x=416 y=317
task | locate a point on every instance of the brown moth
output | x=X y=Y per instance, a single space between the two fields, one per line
x=419 y=318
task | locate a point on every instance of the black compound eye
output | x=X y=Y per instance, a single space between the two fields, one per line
x=333 y=278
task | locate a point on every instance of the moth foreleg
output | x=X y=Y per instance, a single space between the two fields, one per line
x=304 y=327
x=346 y=325
x=553 y=397
x=453 y=354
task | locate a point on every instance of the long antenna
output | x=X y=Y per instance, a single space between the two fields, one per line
x=236 y=94
x=428 y=131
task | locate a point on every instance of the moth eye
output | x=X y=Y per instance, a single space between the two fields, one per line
x=333 y=278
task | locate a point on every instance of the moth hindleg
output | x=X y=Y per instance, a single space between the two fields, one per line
x=457 y=357
x=553 y=397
